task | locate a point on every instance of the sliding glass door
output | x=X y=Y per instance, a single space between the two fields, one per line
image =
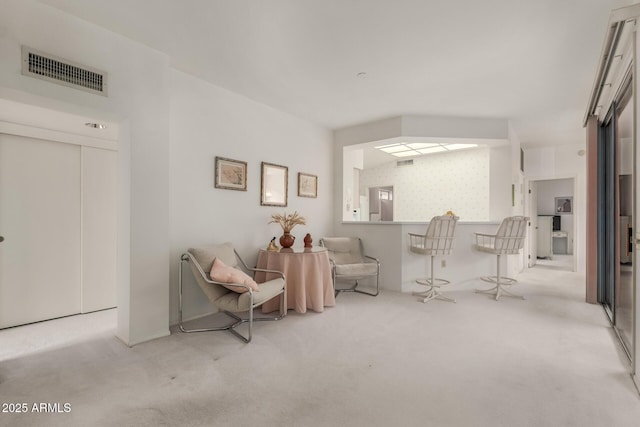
x=606 y=215
x=615 y=217
x=623 y=302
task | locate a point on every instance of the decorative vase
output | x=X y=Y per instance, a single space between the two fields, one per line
x=307 y=241
x=287 y=239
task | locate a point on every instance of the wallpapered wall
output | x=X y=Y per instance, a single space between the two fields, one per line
x=434 y=184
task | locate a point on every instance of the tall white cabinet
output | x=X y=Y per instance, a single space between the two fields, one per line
x=544 y=235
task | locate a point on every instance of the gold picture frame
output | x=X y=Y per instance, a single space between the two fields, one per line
x=307 y=185
x=274 y=181
x=230 y=174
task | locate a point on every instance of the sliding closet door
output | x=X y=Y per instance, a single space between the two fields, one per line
x=99 y=228
x=40 y=222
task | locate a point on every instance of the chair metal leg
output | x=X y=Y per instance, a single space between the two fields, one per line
x=337 y=291
x=432 y=293
x=354 y=288
x=372 y=294
x=238 y=320
x=500 y=283
x=434 y=288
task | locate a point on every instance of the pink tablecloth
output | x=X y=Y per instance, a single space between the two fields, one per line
x=308 y=278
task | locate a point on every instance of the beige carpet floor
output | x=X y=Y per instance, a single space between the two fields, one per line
x=551 y=360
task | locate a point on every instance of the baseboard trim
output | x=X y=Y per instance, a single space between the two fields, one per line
x=151 y=337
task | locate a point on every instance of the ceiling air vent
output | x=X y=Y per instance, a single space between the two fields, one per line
x=404 y=162
x=57 y=70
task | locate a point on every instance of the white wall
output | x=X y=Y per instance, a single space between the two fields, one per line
x=458 y=181
x=517 y=176
x=353 y=159
x=455 y=127
x=138 y=100
x=208 y=121
x=558 y=163
x=548 y=190
x=500 y=191
x=517 y=203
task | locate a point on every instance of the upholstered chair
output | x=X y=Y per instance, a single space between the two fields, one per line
x=218 y=270
x=349 y=263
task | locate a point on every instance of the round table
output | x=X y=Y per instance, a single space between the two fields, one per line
x=308 y=276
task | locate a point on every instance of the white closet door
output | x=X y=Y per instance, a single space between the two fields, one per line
x=40 y=222
x=99 y=228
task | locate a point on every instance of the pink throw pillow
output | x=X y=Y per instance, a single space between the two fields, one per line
x=220 y=272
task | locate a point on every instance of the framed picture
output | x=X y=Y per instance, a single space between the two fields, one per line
x=231 y=174
x=274 y=183
x=307 y=185
x=564 y=205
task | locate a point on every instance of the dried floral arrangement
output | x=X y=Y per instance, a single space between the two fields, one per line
x=287 y=222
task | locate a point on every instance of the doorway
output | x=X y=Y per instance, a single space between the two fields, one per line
x=58 y=216
x=552 y=237
x=381 y=203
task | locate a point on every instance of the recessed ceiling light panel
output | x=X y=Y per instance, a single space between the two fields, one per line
x=432 y=150
x=452 y=147
x=406 y=149
x=420 y=145
x=406 y=153
x=394 y=149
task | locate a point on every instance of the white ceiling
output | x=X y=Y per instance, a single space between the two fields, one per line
x=532 y=61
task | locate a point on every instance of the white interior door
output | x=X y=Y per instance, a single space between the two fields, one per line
x=40 y=222
x=533 y=230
